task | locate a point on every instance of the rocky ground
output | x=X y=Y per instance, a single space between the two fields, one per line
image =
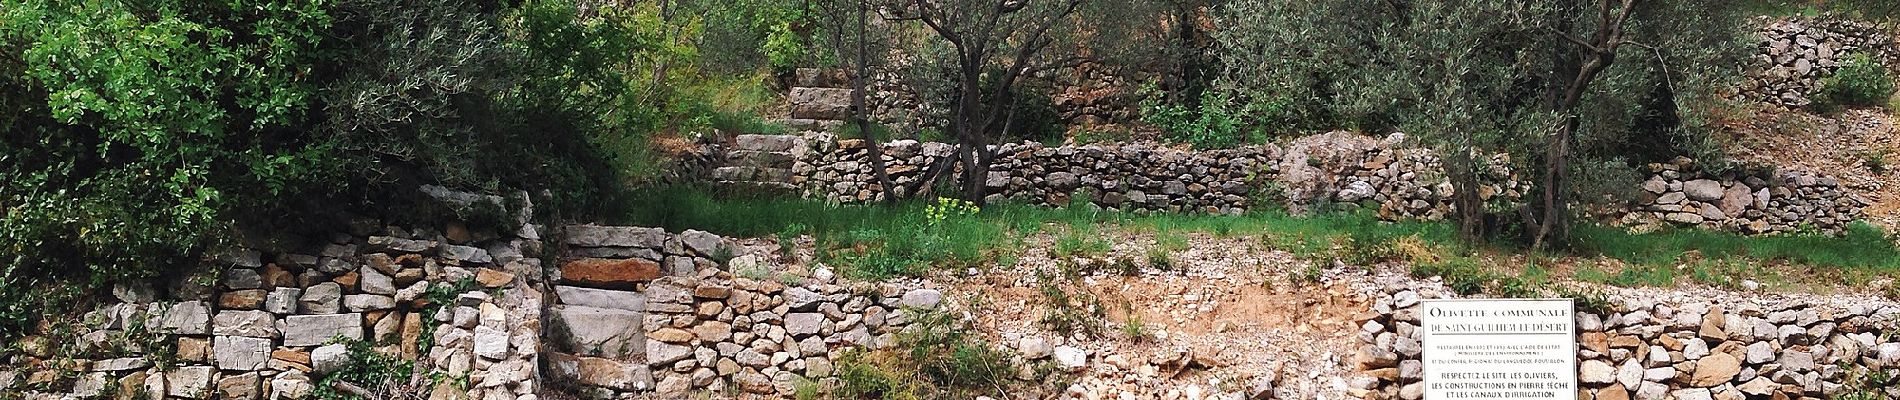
x=1860 y=147
x=1230 y=318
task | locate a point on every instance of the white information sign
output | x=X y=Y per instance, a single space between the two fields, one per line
x=1499 y=349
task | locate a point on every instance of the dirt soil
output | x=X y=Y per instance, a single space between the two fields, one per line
x=1230 y=304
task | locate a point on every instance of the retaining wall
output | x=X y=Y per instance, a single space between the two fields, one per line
x=1648 y=347
x=1399 y=182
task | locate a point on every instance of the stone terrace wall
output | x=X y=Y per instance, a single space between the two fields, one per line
x=1409 y=184
x=1400 y=183
x=1683 y=348
x=1778 y=202
x=262 y=327
x=1796 y=53
x=647 y=312
x=1131 y=176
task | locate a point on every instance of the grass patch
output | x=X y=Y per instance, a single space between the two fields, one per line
x=880 y=241
x=1862 y=247
x=935 y=358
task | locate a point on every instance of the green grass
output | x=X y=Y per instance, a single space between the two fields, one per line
x=1862 y=247
x=936 y=358
x=881 y=241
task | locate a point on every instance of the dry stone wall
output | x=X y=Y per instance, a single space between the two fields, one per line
x=1409 y=183
x=644 y=312
x=1795 y=54
x=1651 y=347
x=1398 y=182
x=1767 y=202
x=262 y=323
x=1131 y=176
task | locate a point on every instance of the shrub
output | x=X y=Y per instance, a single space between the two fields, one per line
x=1860 y=82
x=1213 y=124
x=935 y=358
x=381 y=374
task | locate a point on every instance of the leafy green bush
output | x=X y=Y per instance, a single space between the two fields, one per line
x=1860 y=82
x=135 y=136
x=1215 y=123
x=367 y=369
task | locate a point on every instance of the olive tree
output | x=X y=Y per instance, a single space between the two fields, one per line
x=995 y=44
x=1570 y=83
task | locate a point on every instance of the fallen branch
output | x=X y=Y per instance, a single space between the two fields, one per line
x=352 y=389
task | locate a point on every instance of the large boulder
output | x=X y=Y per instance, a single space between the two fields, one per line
x=599 y=331
x=821 y=103
x=1703 y=190
x=1736 y=199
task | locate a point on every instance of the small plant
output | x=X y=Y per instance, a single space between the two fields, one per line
x=1081 y=240
x=946 y=208
x=1875 y=160
x=1588 y=300
x=1127 y=267
x=1133 y=327
x=439 y=296
x=1216 y=123
x=1309 y=273
x=380 y=375
x=1463 y=275
x=1069 y=313
x=1159 y=259
x=722 y=255
x=788 y=238
x=1860 y=82
x=935 y=358
x=805 y=389
x=1865 y=383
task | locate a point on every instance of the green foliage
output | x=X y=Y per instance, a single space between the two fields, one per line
x=742 y=36
x=848 y=232
x=1215 y=124
x=1860 y=82
x=1080 y=240
x=937 y=357
x=366 y=368
x=1869 y=383
x=439 y=296
x=110 y=168
x=1467 y=277
x=137 y=135
x=1456 y=77
x=947 y=234
x=1862 y=247
x=1876 y=161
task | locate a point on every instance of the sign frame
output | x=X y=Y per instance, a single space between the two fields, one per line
x=1541 y=375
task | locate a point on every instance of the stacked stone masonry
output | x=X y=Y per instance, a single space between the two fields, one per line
x=647 y=312
x=1755 y=348
x=1776 y=202
x=1399 y=183
x=1795 y=54
x=264 y=324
